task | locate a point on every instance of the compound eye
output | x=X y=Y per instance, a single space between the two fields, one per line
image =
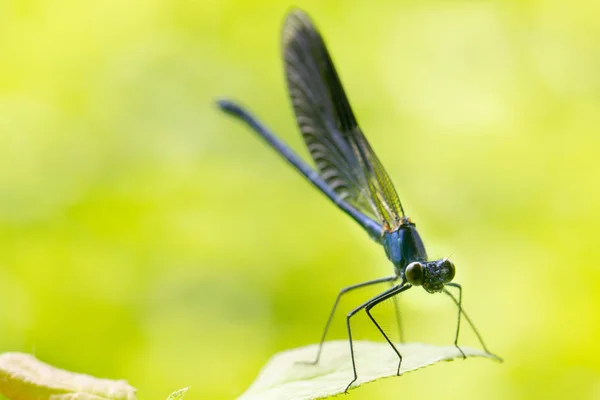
x=414 y=273
x=449 y=266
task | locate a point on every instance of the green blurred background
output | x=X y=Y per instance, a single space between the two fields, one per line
x=146 y=236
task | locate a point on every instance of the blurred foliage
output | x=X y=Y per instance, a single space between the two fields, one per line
x=146 y=236
x=24 y=377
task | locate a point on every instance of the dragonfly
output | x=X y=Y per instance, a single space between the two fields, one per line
x=350 y=174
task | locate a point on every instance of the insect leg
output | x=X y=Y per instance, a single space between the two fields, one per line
x=461 y=311
x=398 y=318
x=382 y=297
x=390 y=292
x=337 y=300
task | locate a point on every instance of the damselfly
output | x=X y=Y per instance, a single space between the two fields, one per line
x=349 y=173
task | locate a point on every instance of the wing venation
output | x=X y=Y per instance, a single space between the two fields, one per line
x=342 y=154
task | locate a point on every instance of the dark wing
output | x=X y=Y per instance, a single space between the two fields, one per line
x=343 y=156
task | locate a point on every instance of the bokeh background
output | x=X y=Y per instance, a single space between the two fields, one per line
x=146 y=236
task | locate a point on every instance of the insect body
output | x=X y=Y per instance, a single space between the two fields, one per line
x=349 y=173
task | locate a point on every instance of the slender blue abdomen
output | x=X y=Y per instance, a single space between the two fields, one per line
x=404 y=246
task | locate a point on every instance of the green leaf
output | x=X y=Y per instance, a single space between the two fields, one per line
x=23 y=377
x=178 y=394
x=286 y=376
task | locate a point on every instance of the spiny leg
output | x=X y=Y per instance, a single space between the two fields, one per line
x=384 y=296
x=337 y=300
x=350 y=314
x=460 y=310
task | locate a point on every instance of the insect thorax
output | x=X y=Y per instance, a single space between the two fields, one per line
x=404 y=246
